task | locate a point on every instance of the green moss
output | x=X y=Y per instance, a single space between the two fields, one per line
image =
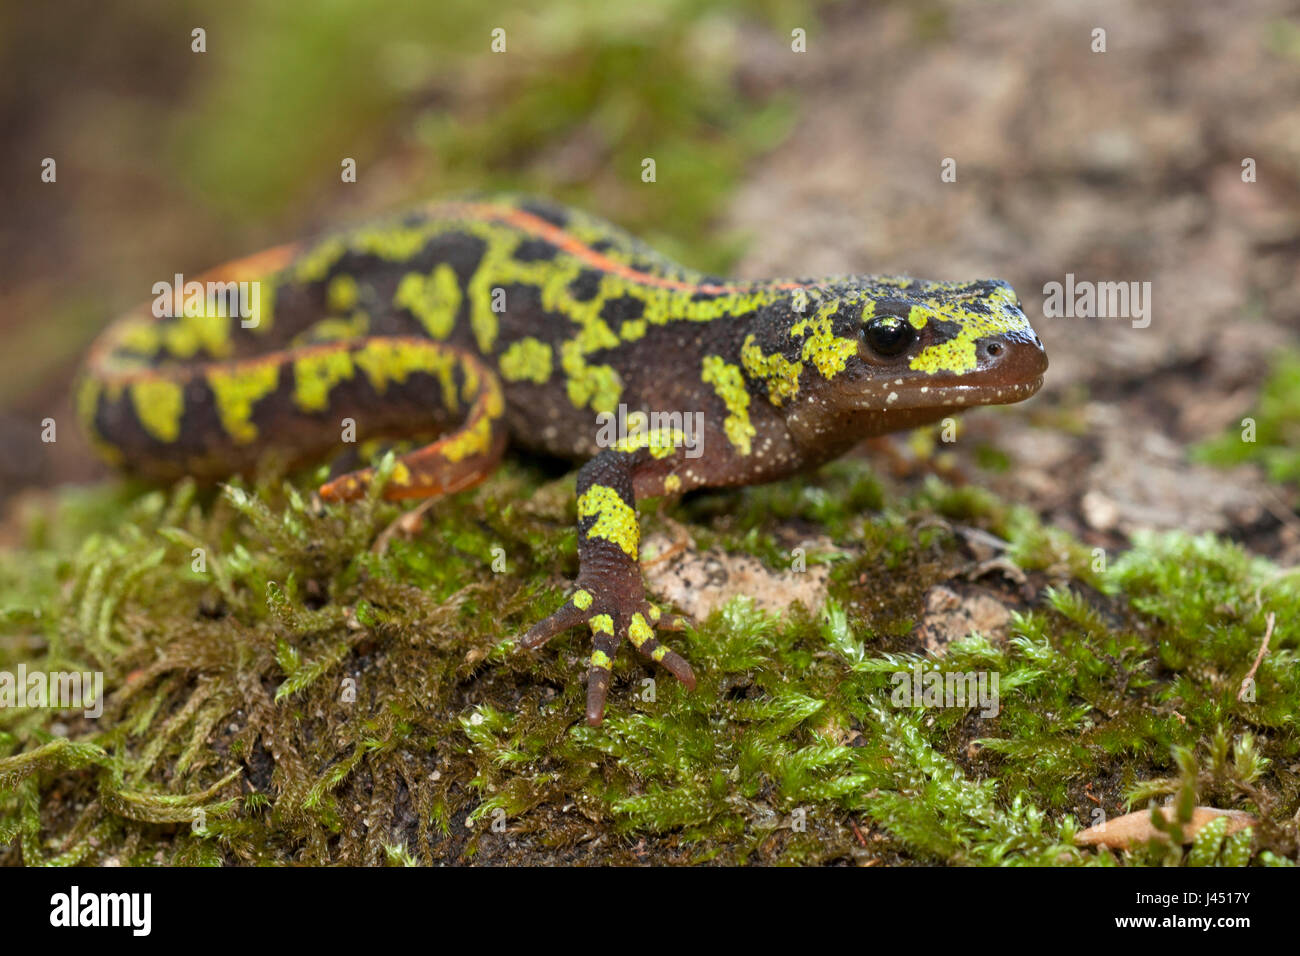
x=306 y=696
x=1269 y=435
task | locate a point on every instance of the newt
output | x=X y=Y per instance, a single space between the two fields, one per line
x=501 y=321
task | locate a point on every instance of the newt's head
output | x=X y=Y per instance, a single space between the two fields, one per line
x=896 y=353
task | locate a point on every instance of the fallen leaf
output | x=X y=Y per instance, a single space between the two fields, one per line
x=1134 y=829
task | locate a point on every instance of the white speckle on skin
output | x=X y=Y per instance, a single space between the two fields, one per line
x=893 y=397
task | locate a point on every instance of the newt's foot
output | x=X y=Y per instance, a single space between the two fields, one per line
x=610 y=623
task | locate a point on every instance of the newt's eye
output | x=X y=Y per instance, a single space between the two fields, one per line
x=888 y=335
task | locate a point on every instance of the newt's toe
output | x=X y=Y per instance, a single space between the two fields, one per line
x=570 y=615
x=609 y=626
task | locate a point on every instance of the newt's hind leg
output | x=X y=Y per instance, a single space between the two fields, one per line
x=610 y=597
x=456 y=461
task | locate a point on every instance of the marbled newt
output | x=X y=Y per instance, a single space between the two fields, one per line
x=495 y=320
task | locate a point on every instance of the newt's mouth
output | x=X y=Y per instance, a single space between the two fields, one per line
x=1009 y=371
x=988 y=394
x=916 y=395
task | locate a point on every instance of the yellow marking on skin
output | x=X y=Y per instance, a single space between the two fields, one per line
x=341 y=294
x=356 y=326
x=661 y=442
x=655 y=613
x=316 y=373
x=594 y=386
x=632 y=330
x=142 y=337
x=88 y=394
x=659 y=653
x=158 y=404
x=729 y=384
x=497 y=269
x=495 y=401
x=236 y=390
x=821 y=346
x=262 y=307
x=582 y=599
x=600 y=659
x=384 y=361
x=668 y=305
x=606 y=387
x=474 y=439
x=180 y=341
x=394 y=243
x=314 y=264
x=672 y=484
x=639 y=631
x=483 y=322
x=601 y=624
x=528 y=360
x=433 y=299
x=596 y=335
x=615 y=518
x=957 y=354
x=469 y=382
x=780 y=374
x=184 y=336
x=401 y=475
x=387 y=361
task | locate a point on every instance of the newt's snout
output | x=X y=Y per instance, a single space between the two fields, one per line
x=1014 y=363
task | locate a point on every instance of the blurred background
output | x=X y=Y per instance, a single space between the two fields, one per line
x=1117 y=166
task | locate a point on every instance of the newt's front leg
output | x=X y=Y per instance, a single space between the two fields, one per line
x=610 y=596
